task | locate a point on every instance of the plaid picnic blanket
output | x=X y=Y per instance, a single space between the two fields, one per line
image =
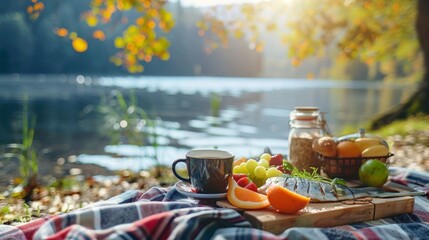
x=164 y=213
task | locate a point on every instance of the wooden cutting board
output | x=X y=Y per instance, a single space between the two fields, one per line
x=326 y=214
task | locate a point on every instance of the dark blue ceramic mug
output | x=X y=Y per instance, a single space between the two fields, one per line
x=208 y=170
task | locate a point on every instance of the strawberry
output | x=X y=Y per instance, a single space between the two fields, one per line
x=243 y=182
x=238 y=176
x=276 y=160
x=252 y=186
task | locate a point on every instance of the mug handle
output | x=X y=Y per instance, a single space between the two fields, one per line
x=173 y=168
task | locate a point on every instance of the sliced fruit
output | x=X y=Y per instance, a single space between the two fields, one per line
x=245 y=198
x=364 y=143
x=286 y=201
x=376 y=151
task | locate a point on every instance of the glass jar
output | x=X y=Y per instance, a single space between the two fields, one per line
x=306 y=124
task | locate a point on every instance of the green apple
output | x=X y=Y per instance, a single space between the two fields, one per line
x=373 y=173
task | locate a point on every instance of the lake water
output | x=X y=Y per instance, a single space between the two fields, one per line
x=253 y=113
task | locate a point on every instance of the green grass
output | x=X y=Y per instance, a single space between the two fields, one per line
x=398 y=127
x=405 y=127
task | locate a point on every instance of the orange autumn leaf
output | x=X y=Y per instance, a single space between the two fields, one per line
x=295 y=62
x=39 y=6
x=98 y=34
x=151 y=24
x=30 y=9
x=62 y=32
x=140 y=21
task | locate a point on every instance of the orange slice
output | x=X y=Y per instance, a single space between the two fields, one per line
x=245 y=198
x=286 y=201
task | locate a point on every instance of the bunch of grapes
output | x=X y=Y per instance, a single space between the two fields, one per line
x=259 y=171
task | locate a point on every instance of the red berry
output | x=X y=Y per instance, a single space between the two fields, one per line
x=281 y=168
x=238 y=176
x=252 y=186
x=243 y=182
x=276 y=160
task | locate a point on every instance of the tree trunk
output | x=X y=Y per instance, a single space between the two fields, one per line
x=422 y=27
x=418 y=103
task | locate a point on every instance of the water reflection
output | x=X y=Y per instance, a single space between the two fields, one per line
x=253 y=113
x=132 y=157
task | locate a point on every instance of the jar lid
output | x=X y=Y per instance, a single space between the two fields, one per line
x=306 y=109
x=305 y=113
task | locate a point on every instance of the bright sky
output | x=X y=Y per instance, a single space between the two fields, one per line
x=208 y=3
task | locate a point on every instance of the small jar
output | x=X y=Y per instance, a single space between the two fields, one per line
x=306 y=124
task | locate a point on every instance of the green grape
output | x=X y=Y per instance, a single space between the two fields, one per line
x=251 y=164
x=260 y=172
x=243 y=168
x=265 y=156
x=264 y=163
x=273 y=172
x=236 y=169
x=251 y=175
x=259 y=181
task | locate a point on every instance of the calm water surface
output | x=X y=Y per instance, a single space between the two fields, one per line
x=254 y=113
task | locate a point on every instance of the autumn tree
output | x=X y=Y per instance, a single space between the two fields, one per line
x=390 y=36
x=143 y=37
x=419 y=101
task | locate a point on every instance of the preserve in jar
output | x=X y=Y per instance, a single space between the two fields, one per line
x=306 y=124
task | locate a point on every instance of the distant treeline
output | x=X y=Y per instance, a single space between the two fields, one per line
x=28 y=46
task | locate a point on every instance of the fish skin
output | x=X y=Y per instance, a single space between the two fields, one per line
x=328 y=193
x=315 y=191
x=303 y=186
x=291 y=184
x=319 y=191
x=358 y=192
